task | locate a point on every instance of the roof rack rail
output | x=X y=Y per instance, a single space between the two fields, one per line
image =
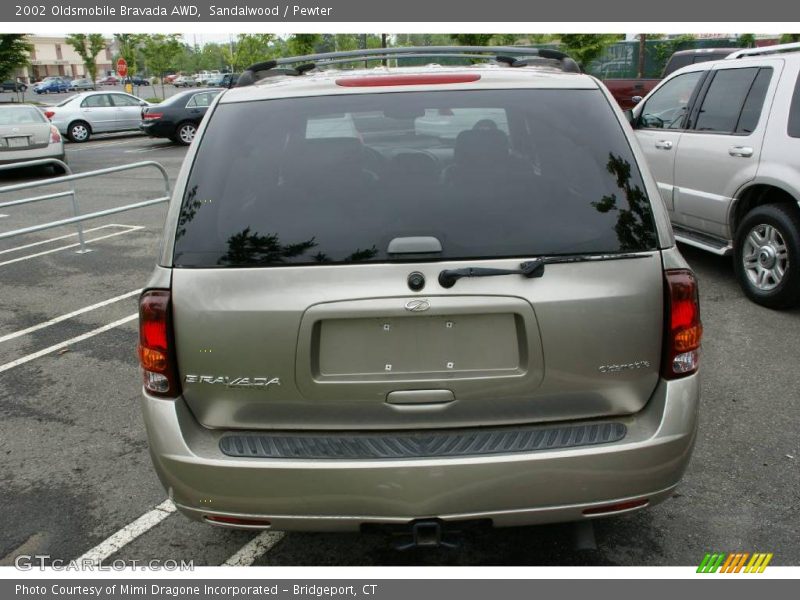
x=778 y=49
x=513 y=56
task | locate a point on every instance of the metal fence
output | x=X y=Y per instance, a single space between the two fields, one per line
x=77 y=218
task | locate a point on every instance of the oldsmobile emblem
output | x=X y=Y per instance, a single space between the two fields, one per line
x=233 y=381
x=418 y=305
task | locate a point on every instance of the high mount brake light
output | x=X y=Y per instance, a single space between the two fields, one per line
x=683 y=329
x=417 y=79
x=156 y=346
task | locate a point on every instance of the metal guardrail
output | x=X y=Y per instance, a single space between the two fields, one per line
x=76 y=218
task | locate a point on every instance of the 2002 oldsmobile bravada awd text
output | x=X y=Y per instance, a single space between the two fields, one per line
x=416 y=295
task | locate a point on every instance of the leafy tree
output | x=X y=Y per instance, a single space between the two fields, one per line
x=15 y=52
x=471 y=39
x=160 y=51
x=586 y=47
x=746 y=40
x=129 y=45
x=88 y=47
x=303 y=43
x=248 y=49
x=788 y=38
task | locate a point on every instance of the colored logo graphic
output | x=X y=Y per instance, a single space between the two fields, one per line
x=734 y=562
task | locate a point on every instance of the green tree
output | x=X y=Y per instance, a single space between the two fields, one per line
x=303 y=43
x=471 y=39
x=129 y=46
x=248 y=49
x=586 y=47
x=15 y=50
x=160 y=52
x=789 y=38
x=88 y=47
x=746 y=40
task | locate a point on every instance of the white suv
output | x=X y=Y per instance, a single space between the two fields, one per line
x=723 y=141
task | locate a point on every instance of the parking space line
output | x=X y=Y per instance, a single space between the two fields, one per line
x=253 y=549
x=62 y=237
x=100 y=145
x=149 y=149
x=61 y=318
x=129 y=533
x=67 y=247
x=64 y=344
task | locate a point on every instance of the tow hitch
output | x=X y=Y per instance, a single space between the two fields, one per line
x=430 y=533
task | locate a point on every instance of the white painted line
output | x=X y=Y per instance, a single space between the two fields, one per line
x=75 y=245
x=129 y=533
x=60 y=345
x=256 y=547
x=100 y=145
x=61 y=237
x=3 y=216
x=61 y=318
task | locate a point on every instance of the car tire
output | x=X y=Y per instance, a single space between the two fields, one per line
x=767 y=256
x=79 y=132
x=185 y=132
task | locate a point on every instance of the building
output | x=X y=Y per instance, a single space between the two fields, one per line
x=54 y=56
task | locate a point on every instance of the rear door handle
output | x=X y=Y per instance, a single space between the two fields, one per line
x=664 y=145
x=743 y=151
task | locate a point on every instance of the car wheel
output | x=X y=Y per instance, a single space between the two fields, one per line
x=79 y=132
x=185 y=133
x=767 y=255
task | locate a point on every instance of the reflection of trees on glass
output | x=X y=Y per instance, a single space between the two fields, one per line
x=362 y=255
x=634 y=226
x=246 y=248
x=188 y=211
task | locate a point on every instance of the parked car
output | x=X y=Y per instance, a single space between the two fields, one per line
x=52 y=86
x=11 y=85
x=108 y=80
x=723 y=141
x=25 y=134
x=80 y=85
x=185 y=81
x=85 y=114
x=628 y=91
x=179 y=116
x=203 y=77
x=137 y=80
x=229 y=80
x=404 y=329
x=214 y=80
x=171 y=77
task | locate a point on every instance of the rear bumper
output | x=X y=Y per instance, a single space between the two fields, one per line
x=510 y=489
x=15 y=156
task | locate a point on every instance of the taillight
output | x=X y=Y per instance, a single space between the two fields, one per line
x=156 y=348
x=49 y=114
x=55 y=137
x=148 y=116
x=683 y=329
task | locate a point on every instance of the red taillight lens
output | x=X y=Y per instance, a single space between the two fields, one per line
x=614 y=508
x=149 y=116
x=156 y=353
x=55 y=137
x=238 y=521
x=49 y=114
x=683 y=328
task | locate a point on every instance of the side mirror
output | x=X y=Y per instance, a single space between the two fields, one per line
x=636 y=99
x=629 y=116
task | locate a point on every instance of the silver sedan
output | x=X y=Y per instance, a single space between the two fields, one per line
x=82 y=115
x=25 y=134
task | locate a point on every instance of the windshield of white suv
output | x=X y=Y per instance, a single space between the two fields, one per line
x=489 y=173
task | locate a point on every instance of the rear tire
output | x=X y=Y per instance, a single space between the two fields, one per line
x=184 y=133
x=79 y=132
x=767 y=256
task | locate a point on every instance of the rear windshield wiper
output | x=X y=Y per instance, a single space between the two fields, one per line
x=529 y=269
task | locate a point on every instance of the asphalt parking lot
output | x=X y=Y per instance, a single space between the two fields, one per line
x=75 y=473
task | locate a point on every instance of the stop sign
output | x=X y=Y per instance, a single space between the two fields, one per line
x=122 y=67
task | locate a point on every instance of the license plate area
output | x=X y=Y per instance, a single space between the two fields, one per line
x=418 y=345
x=18 y=142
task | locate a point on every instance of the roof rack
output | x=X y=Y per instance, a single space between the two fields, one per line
x=793 y=47
x=513 y=56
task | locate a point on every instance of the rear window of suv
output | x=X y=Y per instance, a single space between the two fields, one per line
x=490 y=173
